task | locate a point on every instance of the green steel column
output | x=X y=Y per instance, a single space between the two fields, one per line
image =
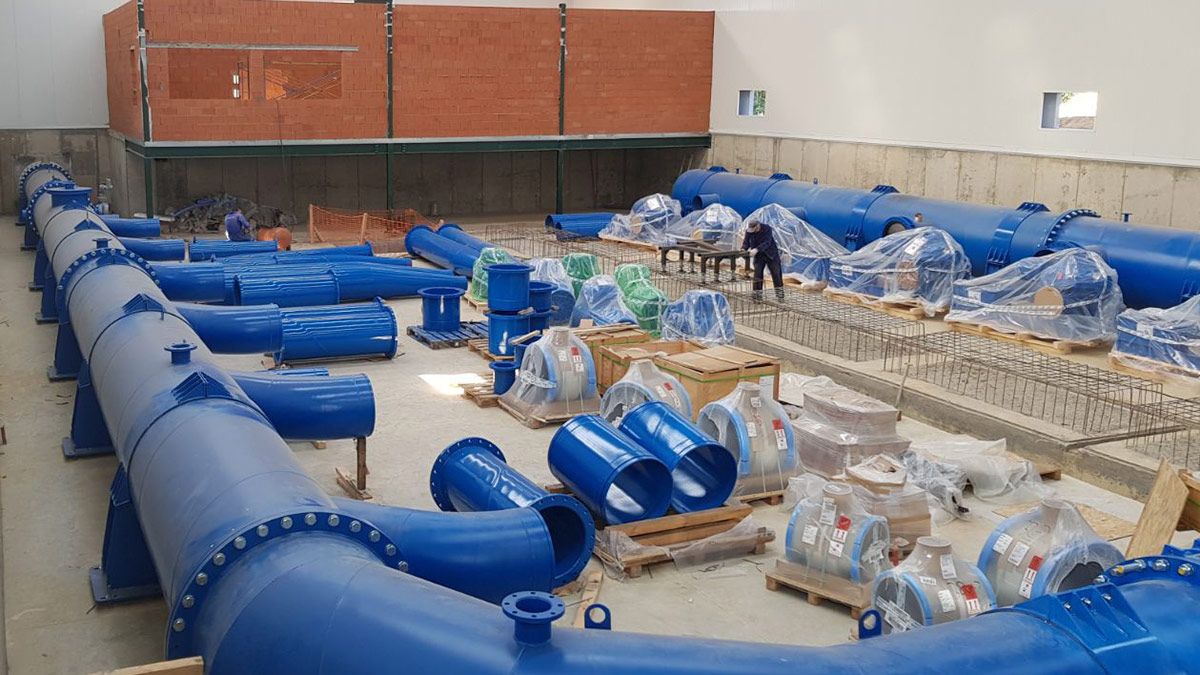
x=562 y=96
x=391 y=192
x=147 y=163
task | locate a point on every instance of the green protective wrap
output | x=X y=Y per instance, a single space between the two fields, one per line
x=478 y=289
x=580 y=267
x=628 y=274
x=646 y=302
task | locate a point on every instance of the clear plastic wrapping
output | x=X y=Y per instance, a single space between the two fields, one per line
x=551 y=271
x=850 y=411
x=716 y=224
x=1070 y=295
x=831 y=536
x=804 y=250
x=755 y=428
x=1161 y=340
x=600 y=302
x=931 y=586
x=478 y=289
x=944 y=483
x=643 y=382
x=827 y=450
x=1048 y=549
x=647 y=221
x=580 y=267
x=557 y=377
x=993 y=472
x=703 y=316
x=915 y=267
x=793 y=386
x=905 y=508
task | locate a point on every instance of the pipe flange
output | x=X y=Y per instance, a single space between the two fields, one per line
x=26 y=214
x=188 y=606
x=38 y=166
x=1173 y=564
x=437 y=484
x=105 y=255
x=1065 y=218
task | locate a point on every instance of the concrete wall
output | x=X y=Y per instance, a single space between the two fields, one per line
x=87 y=153
x=1153 y=194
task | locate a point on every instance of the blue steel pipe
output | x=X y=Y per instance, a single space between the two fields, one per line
x=473 y=475
x=286 y=258
x=456 y=234
x=353 y=252
x=1157 y=267
x=296 y=289
x=194 y=282
x=364 y=329
x=423 y=242
x=236 y=330
x=355 y=281
x=207 y=250
x=141 y=228
x=313 y=408
x=156 y=249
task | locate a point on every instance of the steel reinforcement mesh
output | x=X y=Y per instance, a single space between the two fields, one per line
x=1170 y=429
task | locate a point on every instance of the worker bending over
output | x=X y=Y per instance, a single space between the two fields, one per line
x=237 y=228
x=760 y=242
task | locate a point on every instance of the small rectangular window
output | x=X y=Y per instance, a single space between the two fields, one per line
x=1069 y=109
x=752 y=103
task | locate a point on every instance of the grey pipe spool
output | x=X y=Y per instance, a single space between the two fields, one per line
x=558 y=367
x=756 y=429
x=930 y=587
x=833 y=537
x=643 y=382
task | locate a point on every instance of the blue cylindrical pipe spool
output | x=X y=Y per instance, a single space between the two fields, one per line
x=313 y=408
x=207 y=250
x=287 y=290
x=138 y=228
x=156 y=250
x=502 y=328
x=423 y=242
x=440 y=308
x=541 y=295
x=1156 y=266
x=456 y=234
x=360 y=330
x=473 y=475
x=194 y=282
x=703 y=472
x=612 y=475
x=281 y=258
x=236 y=330
x=539 y=321
x=504 y=374
x=356 y=280
x=508 y=287
x=518 y=350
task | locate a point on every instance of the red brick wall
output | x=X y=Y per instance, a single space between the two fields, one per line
x=475 y=71
x=120 y=58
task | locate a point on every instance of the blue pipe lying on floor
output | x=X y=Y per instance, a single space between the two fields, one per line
x=313 y=407
x=456 y=234
x=351 y=252
x=342 y=331
x=582 y=224
x=264 y=573
x=141 y=228
x=208 y=250
x=156 y=250
x=1157 y=266
x=423 y=242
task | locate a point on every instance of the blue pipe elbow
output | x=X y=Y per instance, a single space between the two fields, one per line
x=456 y=234
x=472 y=475
x=340 y=331
x=313 y=408
x=207 y=250
x=286 y=289
x=423 y=242
x=613 y=476
x=236 y=330
x=139 y=228
x=156 y=249
x=195 y=282
x=703 y=471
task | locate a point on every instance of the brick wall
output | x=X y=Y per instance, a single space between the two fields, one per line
x=120 y=59
x=638 y=71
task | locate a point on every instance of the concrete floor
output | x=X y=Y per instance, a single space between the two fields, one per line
x=53 y=510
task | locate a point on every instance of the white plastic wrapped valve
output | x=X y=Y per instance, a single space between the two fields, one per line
x=643 y=382
x=703 y=316
x=562 y=298
x=994 y=473
x=755 y=428
x=557 y=377
x=716 y=224
x=931 y=586
x=1165 y=341
x=915 y=267
x=831 y=536
x=647 y=221
x=1070 y=295
x=600 y=302
x=1045 y=550
x=804 y=251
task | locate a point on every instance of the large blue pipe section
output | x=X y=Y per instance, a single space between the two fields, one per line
x=1157 y=267
x=458 y=235
x=264 y=573
x=446 y=253
x=313 y=407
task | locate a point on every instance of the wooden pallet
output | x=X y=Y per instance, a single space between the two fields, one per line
x=480 y=306
x=645 y=246
x=669 y=534
x=1026 y=339
x=535 y=422
x=480 y=346
x=1154 y=371
x=193 y=665
x=772 y=498
x=899 y=310
x=482 y=393
x=467 y=330
x=819 y=587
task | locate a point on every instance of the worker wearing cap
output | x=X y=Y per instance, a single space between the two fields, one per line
x=237 y=228
x=760 y=242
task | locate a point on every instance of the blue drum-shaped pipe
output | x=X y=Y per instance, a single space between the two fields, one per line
x=195 y=282
x=287 y=290
x=504 y=374
x=313 y=408
x=440 y=308
x=142 y=228
x=612 y=475
x=703 y=471
x=358 y=280
x=472 y=475
x=257 y=329
x=456 y=234
x=539 y=321
x=508 y=286
x=541 y=295
x=206 y=250
x=340 y=331
x=289 y=258
x=502 y=328
x=423 y=242
x=156 y=249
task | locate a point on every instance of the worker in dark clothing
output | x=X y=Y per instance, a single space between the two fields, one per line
x=237 y=228
x=760 y=241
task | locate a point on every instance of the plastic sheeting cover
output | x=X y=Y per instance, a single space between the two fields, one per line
x=917 y=266
x=641 y=296
x=716 y=224
x=557 y=376
x=1161 y=340
x=993 y=472
x=931 y=586
x=699 y=315
x=643 y=382
x=754 y=427
x=478 y=289
x=833 y=537
x=647 y=221
x=1069 y=295
x=600 y=301
x=804 y=250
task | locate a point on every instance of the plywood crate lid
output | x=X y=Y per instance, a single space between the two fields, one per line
x=716 y=360
x=647 y=350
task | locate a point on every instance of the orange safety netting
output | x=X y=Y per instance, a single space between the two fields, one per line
x=384 y=229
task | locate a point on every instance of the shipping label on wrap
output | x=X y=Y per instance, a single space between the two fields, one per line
x=836 y=548
x=755 y=402
x=1018 y=553
x=780 y=436
x=1002 y=543
x=972 y=598
x=946 y=600
x=828 y=510
x=947 y=563
x=810 y=534
x=751 y=429
x=577 y=359
x=1031 y=572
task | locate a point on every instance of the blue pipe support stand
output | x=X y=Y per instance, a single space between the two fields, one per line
x=508 y=287
x=456 y=234
x=617 y=479
x=472 y=475
x=441 y=308
x=703 y=472
x=423 y=242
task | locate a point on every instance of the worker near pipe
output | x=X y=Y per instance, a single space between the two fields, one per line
x=760 y=242
x=237 y=228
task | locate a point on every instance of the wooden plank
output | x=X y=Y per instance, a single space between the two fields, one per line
x=772 y=498
x=1106 y=525
x=819 y=587
x=1029 y=340
x=1160 y=516
x=591 y=593
x=1149 y=369
x=642 y=527
x=1190 y=520
x=193 y=665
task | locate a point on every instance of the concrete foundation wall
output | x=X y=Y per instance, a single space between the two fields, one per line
x=1153 y=194
x=87 y=153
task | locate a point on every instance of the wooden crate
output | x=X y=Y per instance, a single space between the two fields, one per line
x=710 y=374
x=669 y=534
x=1026 y=339
x=1149 y=369
x=613 y=361
x=480 y=306
x=820 y=587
